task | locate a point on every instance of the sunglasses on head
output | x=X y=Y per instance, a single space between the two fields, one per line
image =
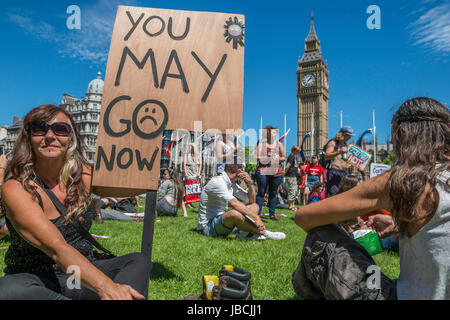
x=60 y=129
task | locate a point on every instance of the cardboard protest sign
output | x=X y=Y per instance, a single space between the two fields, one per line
x=167 y=69
x=193 y=190
x=357 y=157
x=378 y=168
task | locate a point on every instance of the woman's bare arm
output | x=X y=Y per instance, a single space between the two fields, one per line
x=366 y=197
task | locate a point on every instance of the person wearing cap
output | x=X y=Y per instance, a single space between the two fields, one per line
x=334 y=151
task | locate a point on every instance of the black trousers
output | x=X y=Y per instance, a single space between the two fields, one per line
x=334 y=266
x=131 y=269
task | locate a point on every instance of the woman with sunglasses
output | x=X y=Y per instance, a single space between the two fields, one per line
x=45 y=245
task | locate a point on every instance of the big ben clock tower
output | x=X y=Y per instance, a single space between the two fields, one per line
x=312 y=96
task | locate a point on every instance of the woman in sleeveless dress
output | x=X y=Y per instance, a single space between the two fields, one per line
x=48 y=257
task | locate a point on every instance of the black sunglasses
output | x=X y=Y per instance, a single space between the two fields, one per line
x=60 y=129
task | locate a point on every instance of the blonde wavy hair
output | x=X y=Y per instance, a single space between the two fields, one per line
x=21 y=166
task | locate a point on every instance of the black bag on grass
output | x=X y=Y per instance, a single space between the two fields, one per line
x=126 y=205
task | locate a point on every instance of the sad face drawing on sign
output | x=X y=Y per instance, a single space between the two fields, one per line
x=149 y=119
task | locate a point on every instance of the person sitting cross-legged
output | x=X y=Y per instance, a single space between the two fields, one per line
x=215 y=221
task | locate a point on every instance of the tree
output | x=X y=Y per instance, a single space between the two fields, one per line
x=250 y=159
x=390 y=159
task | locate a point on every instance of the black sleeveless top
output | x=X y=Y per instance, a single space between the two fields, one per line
x=23 y=257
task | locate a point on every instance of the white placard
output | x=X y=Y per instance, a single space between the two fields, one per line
x=378 y=168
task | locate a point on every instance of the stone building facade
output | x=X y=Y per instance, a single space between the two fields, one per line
x=86 y=114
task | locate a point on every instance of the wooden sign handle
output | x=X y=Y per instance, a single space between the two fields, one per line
x=149 y=223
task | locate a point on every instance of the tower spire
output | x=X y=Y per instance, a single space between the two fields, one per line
x=312 y=36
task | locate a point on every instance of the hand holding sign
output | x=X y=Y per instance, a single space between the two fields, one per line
x=357 y=157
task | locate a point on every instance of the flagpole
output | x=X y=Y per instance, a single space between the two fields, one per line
x=374 y=137
x=312 y=133
x=260 y=128
x=170 y=158
x=285 y=132
x=341 y=118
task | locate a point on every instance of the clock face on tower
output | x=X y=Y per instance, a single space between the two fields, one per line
x=325 y=79
x=309 y=80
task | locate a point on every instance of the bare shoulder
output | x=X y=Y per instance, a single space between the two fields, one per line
x=330 y=146
x=16 y=198
x=11 y=188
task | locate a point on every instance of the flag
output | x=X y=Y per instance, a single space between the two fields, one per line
x=285 y=135
x=171 y=144
x=359 y=142
x=301 y=147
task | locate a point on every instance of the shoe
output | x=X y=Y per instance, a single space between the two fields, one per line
x=273 y=218
x=274 y=235
x=245 y=235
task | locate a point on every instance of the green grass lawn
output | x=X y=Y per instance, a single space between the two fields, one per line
x=181 y=256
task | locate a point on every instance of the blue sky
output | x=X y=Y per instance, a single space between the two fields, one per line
x=369 y=69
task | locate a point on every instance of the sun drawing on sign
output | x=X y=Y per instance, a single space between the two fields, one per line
x=234 y=31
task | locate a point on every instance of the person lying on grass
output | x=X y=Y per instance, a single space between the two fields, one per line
x=215 y=221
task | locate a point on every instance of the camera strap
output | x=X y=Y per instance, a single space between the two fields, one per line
x=63 y=210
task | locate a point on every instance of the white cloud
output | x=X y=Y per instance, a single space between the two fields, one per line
x=89 y=44
x=432 y=29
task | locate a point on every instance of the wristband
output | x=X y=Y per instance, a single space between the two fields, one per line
x=257 y=219
x=3 y=168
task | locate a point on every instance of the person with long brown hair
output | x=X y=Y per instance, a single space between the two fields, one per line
x=171 y=194
x=47 y=201
x=416 y=191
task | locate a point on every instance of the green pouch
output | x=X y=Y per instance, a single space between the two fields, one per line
x=370 y=241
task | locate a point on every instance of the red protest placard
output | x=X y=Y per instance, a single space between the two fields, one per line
x=193 y=190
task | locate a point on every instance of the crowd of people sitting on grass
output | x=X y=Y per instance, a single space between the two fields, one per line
x=47 y=208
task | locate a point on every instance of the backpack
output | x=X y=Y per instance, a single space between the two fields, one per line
x=313 y=198
x=326 y=164
x=126 y=205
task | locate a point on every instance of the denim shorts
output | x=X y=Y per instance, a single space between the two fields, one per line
x=164 y=208
x=215 y=228
x=312 y=180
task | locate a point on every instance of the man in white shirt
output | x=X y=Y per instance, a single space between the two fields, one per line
x=215 y=221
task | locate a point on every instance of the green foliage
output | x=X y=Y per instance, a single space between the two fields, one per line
x=181 y=255
x=250 y=159
x=390 y=159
